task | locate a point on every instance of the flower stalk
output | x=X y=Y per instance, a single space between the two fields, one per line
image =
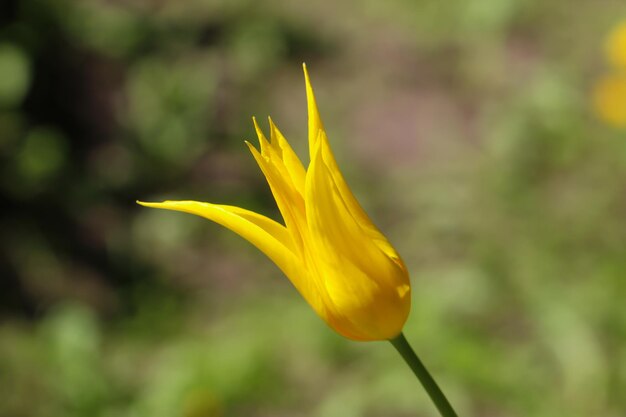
x=434 y=392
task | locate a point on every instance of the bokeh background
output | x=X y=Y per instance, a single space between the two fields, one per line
x=466 y=129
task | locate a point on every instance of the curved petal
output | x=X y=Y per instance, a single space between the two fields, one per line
x=368 y=291
x=290 y=159
x=317 y=133
x=352 y=204
x=280 y=155
x=333 y=228
x=289 y=201
x=268 y=236
x=315 y=121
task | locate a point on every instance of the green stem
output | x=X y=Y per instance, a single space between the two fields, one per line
x=420 y=371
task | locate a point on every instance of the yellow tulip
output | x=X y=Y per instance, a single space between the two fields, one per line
x=329 y=248
x=609 y=99
x=616 y=46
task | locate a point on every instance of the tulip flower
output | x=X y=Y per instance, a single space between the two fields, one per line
x=615 y=46
x=609 y=99
x=328 y=247
x=609 y=90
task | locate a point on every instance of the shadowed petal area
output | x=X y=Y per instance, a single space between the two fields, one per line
x=268 y=236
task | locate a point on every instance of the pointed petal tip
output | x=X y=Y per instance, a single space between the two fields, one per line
x=307 y=79
x=257 y=127
x=151 y=204
x=250 y=146
x=272 y=127
x=260 y=134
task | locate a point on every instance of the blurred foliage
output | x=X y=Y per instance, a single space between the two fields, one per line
x=465 y=129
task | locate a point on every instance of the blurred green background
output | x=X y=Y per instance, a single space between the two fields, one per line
x=464 y=127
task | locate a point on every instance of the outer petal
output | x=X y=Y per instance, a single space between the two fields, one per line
x=353 y=206
x=315 y=127
x=270 y=237
x=315 y=121
x=367 y=290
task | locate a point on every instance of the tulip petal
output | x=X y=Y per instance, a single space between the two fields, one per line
x=352 y=204
x=282 y=157
x=357 y=273
x=289 y=201
x=315 y=127
x=268 y=236
x=329 y=216
x=315 y=121
x=290 y=159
